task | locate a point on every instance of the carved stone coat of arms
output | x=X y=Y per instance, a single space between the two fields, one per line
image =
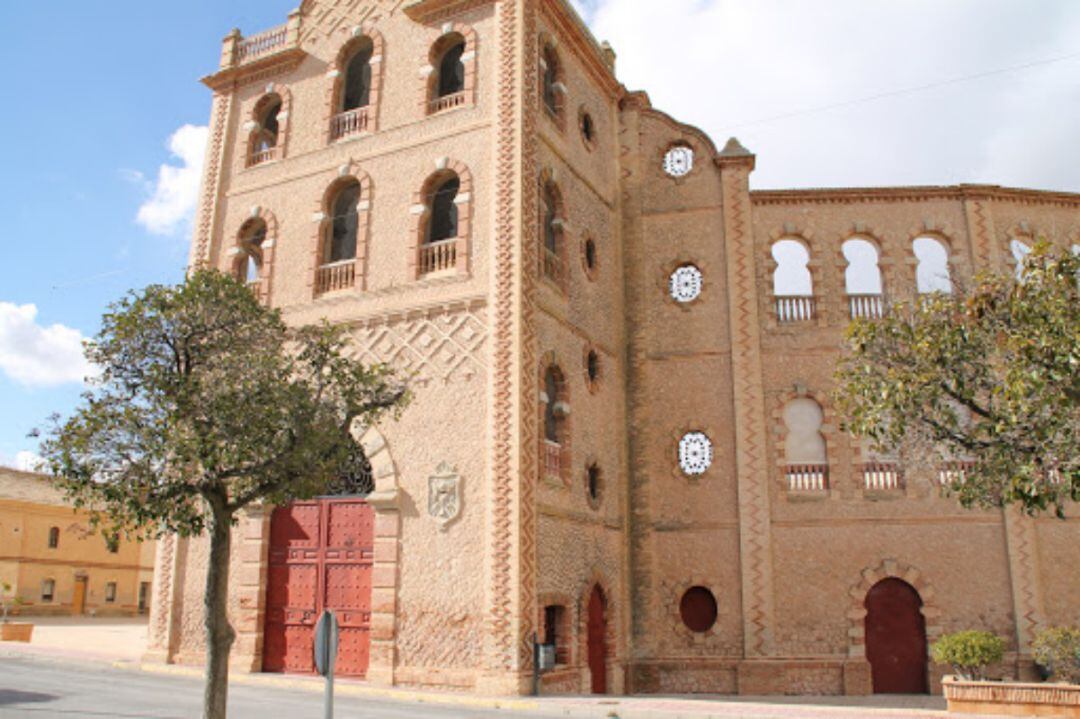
x=444 y=495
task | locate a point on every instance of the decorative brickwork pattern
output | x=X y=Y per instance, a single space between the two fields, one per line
x=442 y=345
x=750 y=423
x=1024 y=574
x=211 y=187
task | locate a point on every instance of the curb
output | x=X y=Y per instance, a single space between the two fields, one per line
x=341 y=688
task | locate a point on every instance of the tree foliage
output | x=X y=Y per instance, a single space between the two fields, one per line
x=988 y=377
x=208 y=403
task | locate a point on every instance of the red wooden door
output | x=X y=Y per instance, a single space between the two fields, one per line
x=597 y=648
x=896 y=638
x=321 y=555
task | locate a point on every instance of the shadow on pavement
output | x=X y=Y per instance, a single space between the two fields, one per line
x=14 y=696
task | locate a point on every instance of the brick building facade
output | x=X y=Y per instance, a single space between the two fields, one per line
x=621 y=440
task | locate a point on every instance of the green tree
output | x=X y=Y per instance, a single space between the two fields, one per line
x=988 y=375
x=207 y=403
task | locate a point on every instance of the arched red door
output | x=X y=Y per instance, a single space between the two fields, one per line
x=896 y=638
x=597 y=636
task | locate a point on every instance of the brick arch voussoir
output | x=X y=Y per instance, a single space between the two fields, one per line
x=870 y=576
x=377 y=450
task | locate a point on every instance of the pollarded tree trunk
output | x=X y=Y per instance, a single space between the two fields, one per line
x=219 y=633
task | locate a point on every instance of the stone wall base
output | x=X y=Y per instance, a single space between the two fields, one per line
x=752 y=677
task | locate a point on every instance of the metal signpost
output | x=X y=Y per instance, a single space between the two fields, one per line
x=543 y=662
x=326 y=649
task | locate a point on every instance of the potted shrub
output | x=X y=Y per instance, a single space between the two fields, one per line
x=969 y=653
x=1057 y=651
x=12 y=631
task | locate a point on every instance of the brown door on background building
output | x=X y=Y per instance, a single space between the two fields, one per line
x=597 y=638
x=78 y=597
x=144 y=597
x=896 y=638
x=321 y=555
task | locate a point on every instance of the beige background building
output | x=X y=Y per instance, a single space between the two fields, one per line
x=622 y=440
x=53 y=562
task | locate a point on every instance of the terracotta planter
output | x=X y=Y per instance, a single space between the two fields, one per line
x=16 y=631
x=1012 y=698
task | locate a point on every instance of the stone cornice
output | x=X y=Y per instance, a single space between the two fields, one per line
x=279 y=62
x=428 y=10
x=843 y=195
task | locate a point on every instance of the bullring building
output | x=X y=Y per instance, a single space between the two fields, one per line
x=622 y=438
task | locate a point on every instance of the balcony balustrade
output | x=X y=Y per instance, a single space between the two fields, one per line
x=438 y=256
x=795 y=308
x=349 y=123
x=882 y=476
x=870 y=307
x=551 y=458
x=335 y=276
x=261 y=157
x=262 y=44
x=447 y=102
x=808 y=477
x=954 y=471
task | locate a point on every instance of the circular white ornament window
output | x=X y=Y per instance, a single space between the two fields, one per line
x=695 y=453
x=685 y=284
x=679 y=161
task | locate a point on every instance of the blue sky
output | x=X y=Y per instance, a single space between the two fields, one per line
x=98 y=88
x=833 y=92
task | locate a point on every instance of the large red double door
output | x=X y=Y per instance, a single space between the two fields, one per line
x=321 y=556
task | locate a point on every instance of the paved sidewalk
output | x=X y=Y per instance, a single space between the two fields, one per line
x=93 y=638
x=652 y=707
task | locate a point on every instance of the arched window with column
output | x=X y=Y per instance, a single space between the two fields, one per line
x=248 y=265
x=451 y=70
x=263 y=145
x=932 y=269
x=804 y=446
x=354 y=95
x=552 y=232
x=793 y=285
x=442 y=222
x=552 y=86
x=340 y=237
x=862 y=279
x=555 y=408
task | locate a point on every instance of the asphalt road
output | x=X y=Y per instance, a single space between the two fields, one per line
x=38 y=688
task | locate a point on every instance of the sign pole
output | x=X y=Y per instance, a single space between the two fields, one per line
x=326 y=649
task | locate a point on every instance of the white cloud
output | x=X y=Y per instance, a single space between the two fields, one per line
x=732 y=67
x=38 y=356
x=174 y=195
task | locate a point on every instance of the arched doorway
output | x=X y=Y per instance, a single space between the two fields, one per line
x=597 y=640
x=321 y=557
x=896 y=638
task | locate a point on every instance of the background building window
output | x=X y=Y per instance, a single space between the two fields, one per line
x=110 y=592
x=48 y=590
x=54 y=537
